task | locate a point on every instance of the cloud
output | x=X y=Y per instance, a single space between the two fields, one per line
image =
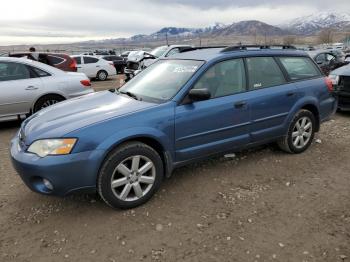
x=58 y=21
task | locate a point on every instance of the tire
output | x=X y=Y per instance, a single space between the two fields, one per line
x=300 y=134
x=122 y=185
x=47 y=101
x=102 y=75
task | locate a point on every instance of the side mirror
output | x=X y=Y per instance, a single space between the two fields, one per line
x=199 y=94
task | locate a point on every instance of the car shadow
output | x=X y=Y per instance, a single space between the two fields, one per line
x=180 y=176
x=10 y=124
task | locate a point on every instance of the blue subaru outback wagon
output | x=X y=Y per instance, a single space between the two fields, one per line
x=181 y=109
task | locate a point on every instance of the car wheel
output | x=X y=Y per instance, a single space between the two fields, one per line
x=300 y=133
x=130 y=175
x=102 y=75
x=47 y=101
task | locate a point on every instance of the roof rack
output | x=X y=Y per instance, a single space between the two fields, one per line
x=257 y=47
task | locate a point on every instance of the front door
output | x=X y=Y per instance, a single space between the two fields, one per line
x=220 y=123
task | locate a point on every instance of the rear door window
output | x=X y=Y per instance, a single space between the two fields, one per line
x=90 y=60
x=264 y=72
x=13 y=71
x=299 y=68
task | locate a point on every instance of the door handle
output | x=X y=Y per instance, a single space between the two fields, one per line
x=97 y=66
x=31 y=88
x=290 y=94
x=240 y=104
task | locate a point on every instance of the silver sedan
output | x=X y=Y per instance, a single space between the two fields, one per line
x=27 y=86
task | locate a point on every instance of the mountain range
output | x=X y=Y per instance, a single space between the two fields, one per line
x=308 y=25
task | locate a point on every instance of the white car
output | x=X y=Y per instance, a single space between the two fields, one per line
x=27 y=86
x=94 y=67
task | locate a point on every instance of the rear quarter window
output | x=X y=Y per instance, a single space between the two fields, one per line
x=299 y=68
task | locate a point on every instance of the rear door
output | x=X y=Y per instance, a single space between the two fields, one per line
x=220 y=123
x=271 y=98
x=18 y=88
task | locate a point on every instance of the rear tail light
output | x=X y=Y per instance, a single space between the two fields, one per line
x=329 y=84
x=73 y=65
x=111 y=63
x=86 y=82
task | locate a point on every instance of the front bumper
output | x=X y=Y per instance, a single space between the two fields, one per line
x=343 y=100
x=67 y=174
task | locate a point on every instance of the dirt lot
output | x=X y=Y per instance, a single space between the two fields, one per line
x=262 y=205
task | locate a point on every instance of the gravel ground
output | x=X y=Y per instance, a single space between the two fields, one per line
x=262 y=205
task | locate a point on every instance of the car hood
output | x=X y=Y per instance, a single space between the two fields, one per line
x=341 y=71
x=139 y=56
x=65 y=117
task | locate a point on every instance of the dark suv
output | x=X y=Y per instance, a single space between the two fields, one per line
x=179 y=110
x=60 y=61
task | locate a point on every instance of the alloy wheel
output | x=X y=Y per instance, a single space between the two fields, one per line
x=133 y=178
x=48 y=103
x=302 y=132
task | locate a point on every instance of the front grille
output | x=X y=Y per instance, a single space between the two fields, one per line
x=132 y=65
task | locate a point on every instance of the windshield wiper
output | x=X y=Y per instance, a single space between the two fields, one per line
x=132 y=95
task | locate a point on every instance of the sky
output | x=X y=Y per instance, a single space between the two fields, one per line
x=67 y=21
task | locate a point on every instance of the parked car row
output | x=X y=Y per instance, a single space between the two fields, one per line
x=181 y=109
x=95 y=67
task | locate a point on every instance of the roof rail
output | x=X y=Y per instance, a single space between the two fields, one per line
x=255 y=47
x=202 y=47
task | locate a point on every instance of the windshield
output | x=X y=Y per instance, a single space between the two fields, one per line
x=159 y=51
x=162 y=80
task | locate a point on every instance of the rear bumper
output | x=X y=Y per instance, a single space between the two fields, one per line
x=67 y=174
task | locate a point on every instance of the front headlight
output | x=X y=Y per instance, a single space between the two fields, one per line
x=334 y=79
x=47 y=147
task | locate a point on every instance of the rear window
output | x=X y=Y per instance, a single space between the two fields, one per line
x=299 y=68
x=55 y=60
x=264 y=72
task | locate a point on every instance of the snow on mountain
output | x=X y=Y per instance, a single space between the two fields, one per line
x=311 y=24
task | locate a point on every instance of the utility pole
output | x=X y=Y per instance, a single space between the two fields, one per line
x=200 y=39
x=166 y=37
